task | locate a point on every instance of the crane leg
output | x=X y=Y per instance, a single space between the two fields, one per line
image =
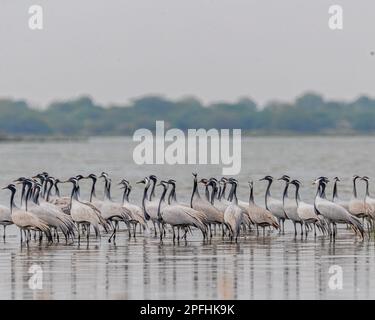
x=129 y=230
x=113 y=235
x=79 y=234
x=88 y=233
x=155 y=234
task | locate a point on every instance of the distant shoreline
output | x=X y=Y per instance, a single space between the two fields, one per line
x=40 y=138
x=5 y=139
x=309 y=115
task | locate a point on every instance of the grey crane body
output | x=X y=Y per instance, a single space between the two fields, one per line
x=26 y=220
x=290 y=206
x=275 y=206
x=357 y=206
x=85 y=213
x=213 y=215
x=178 y=216
x=332 y=212
x=336 y=198
x=261 y=217
x=150 y=204
x=233 y=216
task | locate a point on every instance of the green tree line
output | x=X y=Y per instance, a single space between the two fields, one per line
x=308 y=114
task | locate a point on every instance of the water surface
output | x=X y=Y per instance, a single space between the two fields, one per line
x=271 y=267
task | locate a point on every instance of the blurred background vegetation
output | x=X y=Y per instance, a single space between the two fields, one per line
x=308 y=114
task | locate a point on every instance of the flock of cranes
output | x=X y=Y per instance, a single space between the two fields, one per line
x=43 y=212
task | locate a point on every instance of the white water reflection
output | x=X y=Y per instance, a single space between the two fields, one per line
x=276 y=267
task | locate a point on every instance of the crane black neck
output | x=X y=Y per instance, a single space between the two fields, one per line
x=222 y=195
x=286 y=188
x=145 y=191
x=36 y=195
x=298 y=198
x=172 y=195
x=355 y=187
x=367 y=188
x=93 y=192
x=214 y=193
x=12 y=204
x=195 y=191
x=124 y=195
x=45 y=187
x=29 y=188
x=207 y=192
x=268 y=193
x=218 y=192
x=234 y=194
x=162 y=199
x=251 y=197
x=334 y=192
x=75 y=192
x=57 y=190
x=107 y=190
x=321 y=190
x=152 y=193
x=231 y=192
x=48 y=195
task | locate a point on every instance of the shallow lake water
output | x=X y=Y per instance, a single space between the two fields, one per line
x=270 y=267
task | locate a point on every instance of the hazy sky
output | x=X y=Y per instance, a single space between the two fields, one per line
x=115 y=50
